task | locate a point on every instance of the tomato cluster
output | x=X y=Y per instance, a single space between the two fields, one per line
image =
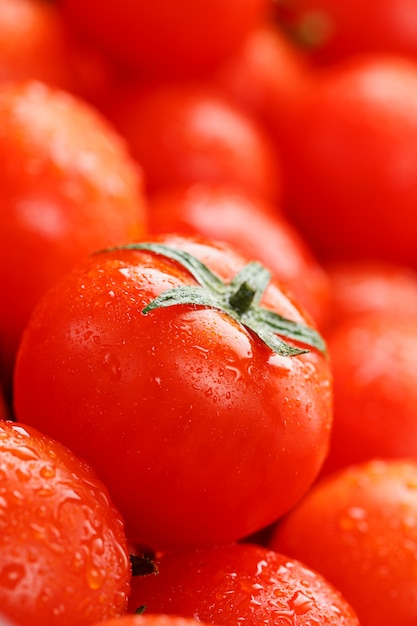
x=208 y=325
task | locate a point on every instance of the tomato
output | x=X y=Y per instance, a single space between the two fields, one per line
x=180 y=37
x=265 y=74
x=348 y=154
x=150 y=620
x=331 y=30
x=374 y=360
x=202 y=431
x=358 y=528
x=68 y=186
x=63 y=551
x=182 y=133
x=230 y=584
x=255 y=227
x=358 y=288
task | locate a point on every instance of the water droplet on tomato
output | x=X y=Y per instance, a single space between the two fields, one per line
x=11 y=575
x=95 y=578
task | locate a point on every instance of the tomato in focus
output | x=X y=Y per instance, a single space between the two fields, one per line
x=257 y=228
x=237 y=583
x=63 y=551
x=358 y=529
x=202 y=433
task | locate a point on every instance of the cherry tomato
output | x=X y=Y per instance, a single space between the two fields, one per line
x=331 y=30
x=374 y=361
x=182 y=133
x=63 y=551
x=358 y=528
x=348 y=154
x=68 y=186
x=253 y=226
x=202 y=431
x=180 y=37
x=228 y=585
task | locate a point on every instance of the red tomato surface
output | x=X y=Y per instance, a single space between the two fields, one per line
x=349 y=156
x=185 y=133
x=331 y=30
x=265 y=74
x=201 y=433
x=253 y=226
x=179 y=37
x=150 y=620
x=358 y=288
x=241 y=583
x=68 y=186
x=63 y=551
x=374 y=364
x=358 y=528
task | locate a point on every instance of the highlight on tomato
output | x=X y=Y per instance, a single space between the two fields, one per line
x=358 y=529
x=63 y=551
x=68 y=186
x=149 y=619
x=237 y=583
x=190 y=381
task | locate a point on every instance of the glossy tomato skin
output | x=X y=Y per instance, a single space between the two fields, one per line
x=349 y=153
x=182 y=133
x=63 y=556
x=68 y=186
x=201 y=433
x=147 y=619
x=230 y=584
x=357 y=528
x=256 y=227
x=373 y=363
x=179 y=38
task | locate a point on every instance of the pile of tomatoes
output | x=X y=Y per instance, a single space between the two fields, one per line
x=208 y=320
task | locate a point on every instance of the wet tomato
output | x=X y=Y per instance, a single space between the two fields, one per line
x=63 y=551
x=200 y=410
x=240 y=583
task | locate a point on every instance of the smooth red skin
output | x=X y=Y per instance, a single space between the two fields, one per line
x=181 y=37
x=359 y=288
x=183 y=133
x=63 y=551
x=331 y=30
x=201 y=434
x=358 y=528
x=348 y=155
x=240 y=583
x=68 y=187
x=265 y=74
x=254 y=227
x=374 y=362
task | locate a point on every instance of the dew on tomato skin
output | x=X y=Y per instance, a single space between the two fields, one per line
x=11 y=575
x=23 y=453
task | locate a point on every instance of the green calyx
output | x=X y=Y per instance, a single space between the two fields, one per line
x=239 y=299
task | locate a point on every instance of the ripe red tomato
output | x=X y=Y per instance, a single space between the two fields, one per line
x=358 y=528
x=63 y=551
x=358 y=288
x=201 y=431
x=240 y=583
x=68 y=186
x=183 y=133
x=331 y=30
x=255 y=227
x=348 y=153
x=265 y=74
x=179 y=37
x=150 y=620
x=374 y=363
